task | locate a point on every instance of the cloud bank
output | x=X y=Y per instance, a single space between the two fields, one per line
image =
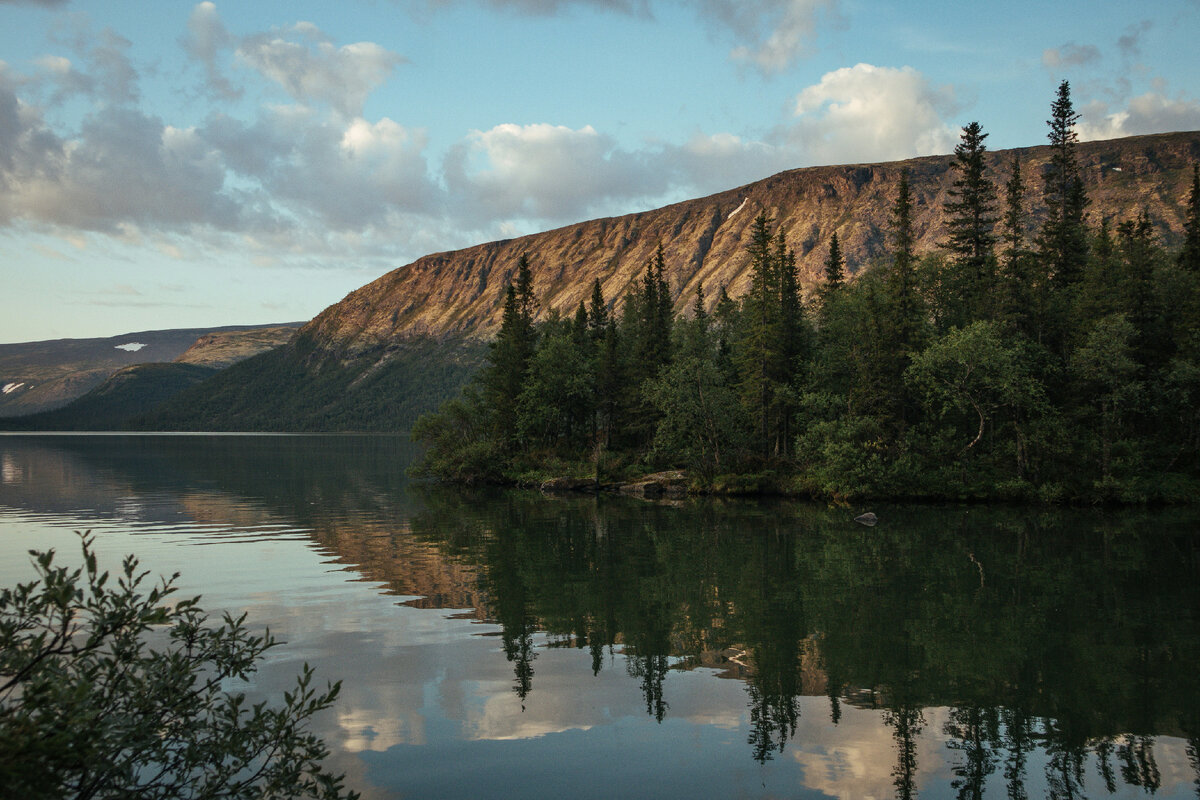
x=315 y=175
x=1147 y=113
x=312 y=176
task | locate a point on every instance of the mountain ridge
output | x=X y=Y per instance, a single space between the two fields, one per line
x=460 y=292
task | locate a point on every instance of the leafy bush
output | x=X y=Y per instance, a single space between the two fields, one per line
x=116 y=689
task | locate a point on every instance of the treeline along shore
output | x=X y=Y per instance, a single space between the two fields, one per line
x=1037 y=355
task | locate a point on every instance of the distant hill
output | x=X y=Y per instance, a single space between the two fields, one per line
x=40 y=376
x=301 y=387
x=127 y=392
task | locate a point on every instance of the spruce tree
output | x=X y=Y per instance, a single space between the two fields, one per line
x=835 y=265
x=902 y=315
x=902 y=277
x=504 y=376
x=648 y=312
x=1062 y=241
x=1014 y=213
x=971 y=219
x=792 y=341
x=901 y=222
x=663 y=311
x=758 y=351
x=646 y=324
x=527 y=303
x=792 y=323
x=611 y=379
x=597 y=312
x=1015 y=291
x=579 y=329
x=698 y=312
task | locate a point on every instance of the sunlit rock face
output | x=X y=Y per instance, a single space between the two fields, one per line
x=703 y=241
x=223 y=348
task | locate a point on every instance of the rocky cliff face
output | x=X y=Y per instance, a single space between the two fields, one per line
x=461 y=292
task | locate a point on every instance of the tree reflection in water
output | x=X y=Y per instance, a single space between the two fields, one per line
x=1063 y=637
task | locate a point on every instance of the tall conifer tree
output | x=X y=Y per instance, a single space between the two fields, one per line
x=504 y=377
x=791 y=310
x=902 y=278
x=758 y=351
x=1062 y=241
x=579 y=329
x=698 y=312
x=835 y=264
x=1014 y=212
x=597 y=312
x=1016 y=289
x=527 y=303
x=902 y=316
x=663 y=311
x=970 y=211
x=792 y=341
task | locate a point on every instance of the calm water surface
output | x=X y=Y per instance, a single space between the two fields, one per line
x=506 y=644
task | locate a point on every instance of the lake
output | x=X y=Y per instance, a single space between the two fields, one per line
x=509 y=644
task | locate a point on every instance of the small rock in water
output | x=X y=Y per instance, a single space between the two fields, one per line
x=867 y=519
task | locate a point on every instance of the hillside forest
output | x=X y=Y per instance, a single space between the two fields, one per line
x=1056 y=362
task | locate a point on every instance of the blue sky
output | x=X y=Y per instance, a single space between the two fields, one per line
x=171 y=164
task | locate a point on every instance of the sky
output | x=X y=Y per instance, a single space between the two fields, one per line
x=172 y=164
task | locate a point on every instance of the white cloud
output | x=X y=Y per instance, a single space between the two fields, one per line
x=544 y=171
x=315 y=180
x=205 y=40
x=28 y=149
x=126 y=173
x=1130 y=42
x=1151 y=112
x=67 y=81
x=112 y=78
x=299 y=180
x=865 y=112
x=1070 y=55
x=313 y=69
x=772 y=34
x=337 y=174
x=714 y=162
x=353 y=176
x=124 y=168
x=552 y=173
x=857 y=758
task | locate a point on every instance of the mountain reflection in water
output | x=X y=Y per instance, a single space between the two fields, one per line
x=946 y=651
